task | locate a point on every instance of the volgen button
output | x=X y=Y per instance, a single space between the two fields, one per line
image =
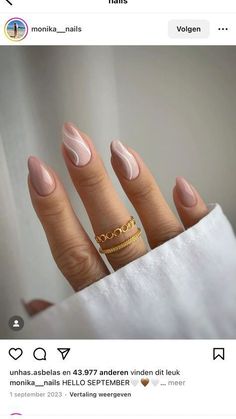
x=186 y=29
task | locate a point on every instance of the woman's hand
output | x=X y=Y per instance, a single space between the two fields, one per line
x=74 y=252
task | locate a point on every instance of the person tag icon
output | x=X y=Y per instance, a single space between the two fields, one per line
x=16 y=323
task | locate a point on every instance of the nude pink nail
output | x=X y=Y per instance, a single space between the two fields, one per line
x=126 y=161
x=77 y=149
x=185 y=192
x=41 y=179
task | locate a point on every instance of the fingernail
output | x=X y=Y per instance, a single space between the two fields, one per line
x=77 y=149
x=185 y=192
x=126 y=161
x=35 y=306
x=27 y=307
x=41 y=179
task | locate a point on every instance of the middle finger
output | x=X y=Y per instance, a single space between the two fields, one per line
x=101 y=201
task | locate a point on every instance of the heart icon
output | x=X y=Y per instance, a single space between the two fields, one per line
x=155 y=381
x=145 y=381
x=134 y=382
x=15 y=353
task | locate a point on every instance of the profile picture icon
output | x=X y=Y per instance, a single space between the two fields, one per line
x=16 y=29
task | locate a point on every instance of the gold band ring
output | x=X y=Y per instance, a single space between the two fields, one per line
x=122 y=245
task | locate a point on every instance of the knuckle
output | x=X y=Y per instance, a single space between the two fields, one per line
x=93 y=180
x=144 y=192
x=165 y=233
x=52 y=211
x=77 y=262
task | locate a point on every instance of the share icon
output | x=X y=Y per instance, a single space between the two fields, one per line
x=64 y=352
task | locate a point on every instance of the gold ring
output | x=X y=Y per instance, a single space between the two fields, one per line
x=121 y=245
x=117 y=232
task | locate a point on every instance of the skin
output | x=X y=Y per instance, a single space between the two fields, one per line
x=73 y=251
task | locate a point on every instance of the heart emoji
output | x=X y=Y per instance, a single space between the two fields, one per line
x=134 y=382
x=145 y=381
x=155 y=381
x=15 y=353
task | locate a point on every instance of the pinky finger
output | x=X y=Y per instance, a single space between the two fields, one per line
x=189 y=204
x=36 y=306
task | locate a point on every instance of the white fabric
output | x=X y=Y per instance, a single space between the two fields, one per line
x=185 y=288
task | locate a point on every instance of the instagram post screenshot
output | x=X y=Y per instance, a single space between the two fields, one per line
x=118 y=209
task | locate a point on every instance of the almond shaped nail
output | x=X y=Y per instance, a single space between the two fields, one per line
x=126 y=161
x=42 y=181
x=77 y=149
x=185 y=193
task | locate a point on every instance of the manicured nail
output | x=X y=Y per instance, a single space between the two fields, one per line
x=185 y=192
x=27 y=307
x=77 y=149
x=126 y=161
x=35 y=306
x=41 y=179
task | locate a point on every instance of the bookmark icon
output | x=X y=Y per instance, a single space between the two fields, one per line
x=219 y=353
x=64 y=352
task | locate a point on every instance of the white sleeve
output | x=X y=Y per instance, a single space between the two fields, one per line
x=185 y=288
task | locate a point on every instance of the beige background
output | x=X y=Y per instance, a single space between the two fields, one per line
x=174 y=105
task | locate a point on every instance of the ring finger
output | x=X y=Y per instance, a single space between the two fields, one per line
x=141 y=188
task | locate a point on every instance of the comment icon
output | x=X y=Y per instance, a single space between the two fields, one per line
x=40 y=354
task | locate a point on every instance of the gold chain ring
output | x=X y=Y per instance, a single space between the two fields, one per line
x=116 y=232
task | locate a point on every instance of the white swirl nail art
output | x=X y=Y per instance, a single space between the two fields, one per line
x=128 y=163
x=78 y=150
